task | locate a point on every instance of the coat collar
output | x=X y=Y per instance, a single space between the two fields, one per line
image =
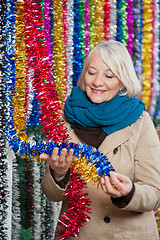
x=110 y=142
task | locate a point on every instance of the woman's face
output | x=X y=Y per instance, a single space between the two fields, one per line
x=100 y=83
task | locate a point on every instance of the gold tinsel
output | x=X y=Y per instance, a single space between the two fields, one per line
x=96 y=22
x=59 y=52
x=147 y=51
x=20 y=66
x=87 y=170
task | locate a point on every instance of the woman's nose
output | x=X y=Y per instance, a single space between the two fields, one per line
x=98 y=81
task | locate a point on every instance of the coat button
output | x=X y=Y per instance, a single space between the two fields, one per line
x=107 y=219
x=115 y=151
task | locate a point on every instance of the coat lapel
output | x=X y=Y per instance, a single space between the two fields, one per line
x=115 y=139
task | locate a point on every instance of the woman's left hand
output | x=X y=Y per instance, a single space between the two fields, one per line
x=117 y=185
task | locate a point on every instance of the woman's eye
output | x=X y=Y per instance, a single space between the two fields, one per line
x=109 y=76
x=91 y=73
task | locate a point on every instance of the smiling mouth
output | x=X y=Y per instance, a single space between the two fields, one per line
x=98 y=91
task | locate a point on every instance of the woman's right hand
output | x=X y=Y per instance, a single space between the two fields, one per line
x=59 y=164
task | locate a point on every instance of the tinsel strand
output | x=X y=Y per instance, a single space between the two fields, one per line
x=18 y=100
x=25 y=174
x=137 y=48
x=37 y=59
x=113 y=19
x=122 y=34
x=45 y=211
x=147 y=52
x=3 y=165
x=107 y=19
x=65 y=30
x=9 y=60
x=92 y=27
x=157 y=109
x=47 y=31
x=69 y=47
x=16 y=214
x=59 y=61
x=8 y=33
x=72 y=220
x=78 y=40
x=32 y=116
x=155 y=83
x=130 y=27
x=97 y=22
x=86 y=25
x=37 y=201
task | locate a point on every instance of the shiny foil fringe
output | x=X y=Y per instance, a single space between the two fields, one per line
x=44 y=11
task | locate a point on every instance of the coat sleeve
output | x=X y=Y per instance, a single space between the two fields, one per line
x=52 y=190
x=147 y=170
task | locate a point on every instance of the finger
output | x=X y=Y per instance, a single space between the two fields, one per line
x=63 y=155
x=103 y=185
x=44 y=156
x=121 y=182
x=111 y=190
x=70 y=156
x=120 y=177
x=71 y=152
x=108 y=188
x=55 y=154
x=114 y=179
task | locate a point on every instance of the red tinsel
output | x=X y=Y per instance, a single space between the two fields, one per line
x=51 y=112
x=38 y=60
x=76 y=215
x=106 y=19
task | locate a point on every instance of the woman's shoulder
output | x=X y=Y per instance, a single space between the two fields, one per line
x=144 y=119
x=145 y=115
x=144 y=126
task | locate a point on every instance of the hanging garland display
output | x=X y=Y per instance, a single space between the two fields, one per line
x=155 y=59
x=96 y=22
x=86 y=25
x=107 y=20
x=147 y=42
x=59 y=45
x=78 y=40
x=137 y=47
x=122 y=34
x=35 y=58
x=46 y=43
x=130 y=27
x=3 y=165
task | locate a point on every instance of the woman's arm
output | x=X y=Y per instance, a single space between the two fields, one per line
x=146 y=171
x=52 y=190
x=57 y=168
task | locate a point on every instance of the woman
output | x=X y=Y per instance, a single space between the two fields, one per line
x=102 y=111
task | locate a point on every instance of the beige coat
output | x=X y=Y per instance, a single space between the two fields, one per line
x=137 y=156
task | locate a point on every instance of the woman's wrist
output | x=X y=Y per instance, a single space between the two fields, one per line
x=58 y=176
x=64 y=179
x=122 y=202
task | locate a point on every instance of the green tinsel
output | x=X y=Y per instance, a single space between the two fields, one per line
x=25 y=234
x=26 y=198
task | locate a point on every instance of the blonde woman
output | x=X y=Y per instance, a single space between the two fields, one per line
x=103 y=111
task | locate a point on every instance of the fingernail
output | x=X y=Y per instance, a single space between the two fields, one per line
x=102 y=180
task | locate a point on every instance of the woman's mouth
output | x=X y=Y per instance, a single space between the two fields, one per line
x=98 y=91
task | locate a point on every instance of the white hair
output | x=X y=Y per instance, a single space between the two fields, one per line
x=117 y=58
